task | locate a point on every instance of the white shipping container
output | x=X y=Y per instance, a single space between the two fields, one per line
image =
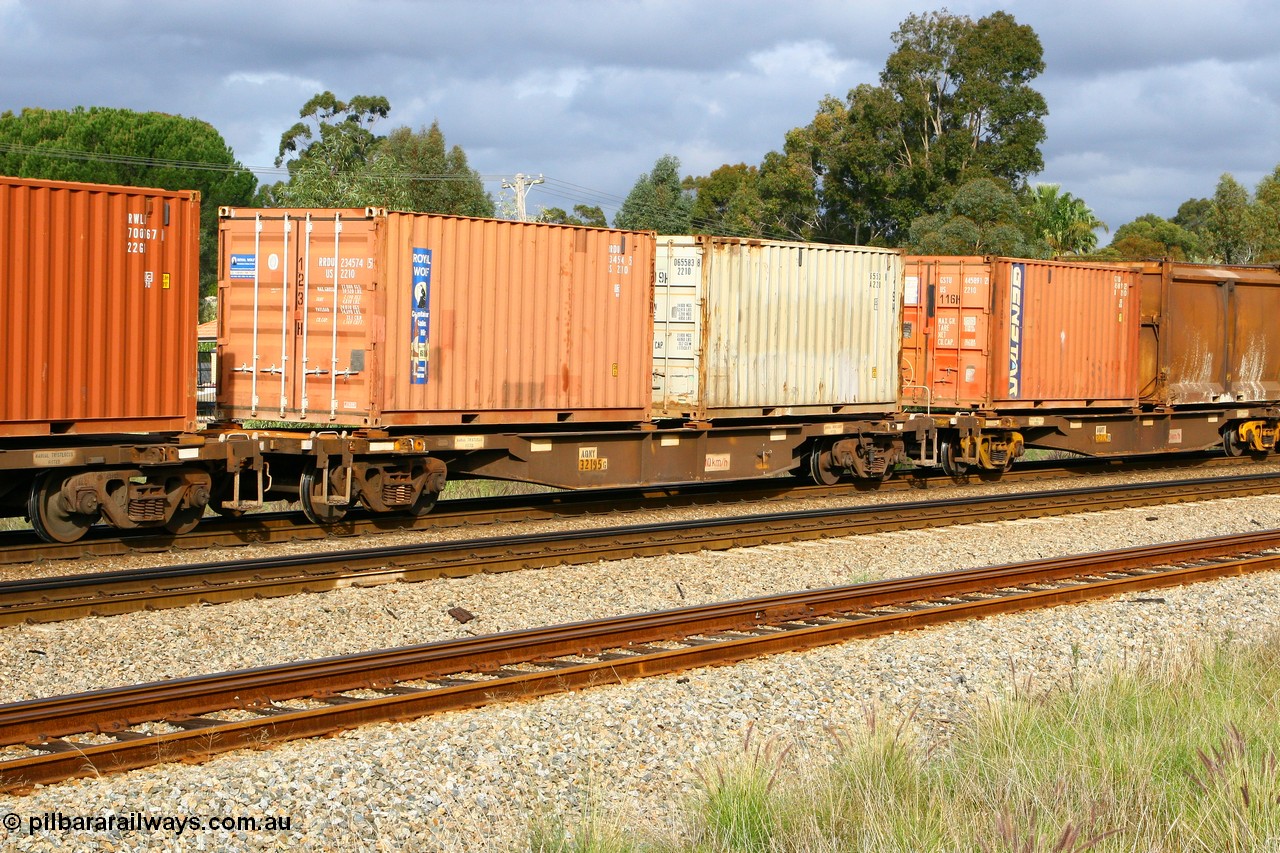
x=751 y=328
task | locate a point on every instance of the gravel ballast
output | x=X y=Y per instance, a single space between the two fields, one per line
x=473 y=780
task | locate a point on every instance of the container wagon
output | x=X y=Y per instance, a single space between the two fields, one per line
x=97 y=332
x=404 y=340
x=1005 y=351
x=525 y=351
x=1098 y=360
x=774 y=330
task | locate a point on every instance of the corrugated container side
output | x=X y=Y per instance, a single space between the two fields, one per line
x=1209 y=333
x=1014 y=333
x=439 y=319
x=525 y=318
x=97 y=326
x=1076 y=339
x=780 y=328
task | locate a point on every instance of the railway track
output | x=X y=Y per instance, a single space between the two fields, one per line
x=22 y=546
x=48 y=740
x=112 y=593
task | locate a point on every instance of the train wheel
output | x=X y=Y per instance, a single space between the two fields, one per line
x=184 y=520
x=952 y=468
x=1231 y=443
x=425 y=503
x=52 y=520
x=820 y=468
x=311 y=496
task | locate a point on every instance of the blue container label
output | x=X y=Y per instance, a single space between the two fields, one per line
x=420 y=317
x=244 y=266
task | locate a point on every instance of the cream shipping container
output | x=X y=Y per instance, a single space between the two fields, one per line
x=747 y=328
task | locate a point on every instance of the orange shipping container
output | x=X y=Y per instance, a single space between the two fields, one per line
x=98 y=319
x=1003 y=333
x=434 y=319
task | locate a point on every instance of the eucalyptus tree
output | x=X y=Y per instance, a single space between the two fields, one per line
x=658 y=201
x=422 y=174
x=583 y=214
x=1230 y=223
x=327 y=152
x=954 y=104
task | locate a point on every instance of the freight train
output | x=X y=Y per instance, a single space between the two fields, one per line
x=365 y=356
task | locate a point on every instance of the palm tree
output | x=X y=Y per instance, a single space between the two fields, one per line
x=1065 y=223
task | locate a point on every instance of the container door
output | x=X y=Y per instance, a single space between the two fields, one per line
x=256 y=316
x=915 y=317
x=333 y=283
x=677 y=327
x=294 y=316
x=958 y=292
x=1255 y=339
x=1196 y=340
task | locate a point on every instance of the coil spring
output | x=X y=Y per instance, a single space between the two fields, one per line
x=395 y=495
x=147 y=509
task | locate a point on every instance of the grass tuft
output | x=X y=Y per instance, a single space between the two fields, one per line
x=1162 y=753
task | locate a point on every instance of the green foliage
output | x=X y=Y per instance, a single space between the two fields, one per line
x=1265 y=218
x=335 y=160
x=739 y=810
x=1193 y=215
x=788 y=188
x=1176 y=752
x=427 y=178
x=1233 y=227
x=345 y=138
x=115 y=146
x=328 y=153
x=954 y=104
x=1150 y=236
x=582 y=215
x=658 y=201
x=728 y=201
x=1063 y=222
x=548 y=834
x=1229 y=223
x=983 y=218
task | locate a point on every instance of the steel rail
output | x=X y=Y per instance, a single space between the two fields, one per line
x=113 y=593
x=414 y=681
x=18 y=547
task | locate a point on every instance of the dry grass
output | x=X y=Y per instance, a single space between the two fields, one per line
x=1175 y=754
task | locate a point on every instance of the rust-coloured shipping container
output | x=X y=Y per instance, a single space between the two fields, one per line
x=1209 y=333
x=98 y=318
x=766 y=328
x=1004 y=333
x=434 y=320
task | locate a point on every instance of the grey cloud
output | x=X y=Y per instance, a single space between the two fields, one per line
x=1148 y=104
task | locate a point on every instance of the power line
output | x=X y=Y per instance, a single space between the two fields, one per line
x=521 y=184
x=167 y=163
x=554 y=187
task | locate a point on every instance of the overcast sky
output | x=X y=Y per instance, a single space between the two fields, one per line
x=1149 y=102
